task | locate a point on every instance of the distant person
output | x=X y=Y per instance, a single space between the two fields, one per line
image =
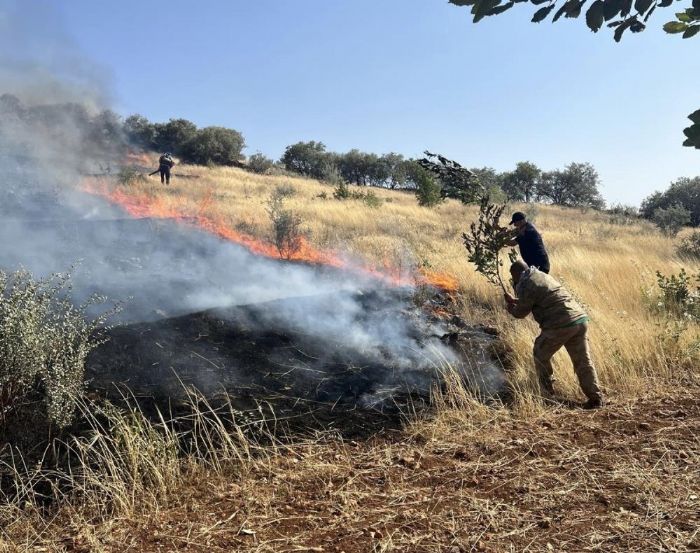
x=165 y=164
x=563 y=322
x=529 y=240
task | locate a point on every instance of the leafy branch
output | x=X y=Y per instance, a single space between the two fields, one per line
x=620 y=15
x=485 y=240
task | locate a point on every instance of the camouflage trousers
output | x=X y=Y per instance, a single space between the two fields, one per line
x=574 y=339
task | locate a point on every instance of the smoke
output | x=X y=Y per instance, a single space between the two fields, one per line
x=55 y=128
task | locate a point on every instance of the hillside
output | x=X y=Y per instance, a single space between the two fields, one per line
x=464 y=476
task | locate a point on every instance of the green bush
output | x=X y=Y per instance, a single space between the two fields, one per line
x=44 y=342
x=287 y=234
x=621 y=214
x=428 y=189
x=258 y=163
x=370 y=199
x=679 y=296
x=672 y=219
x=342 y=191
x=690 y=246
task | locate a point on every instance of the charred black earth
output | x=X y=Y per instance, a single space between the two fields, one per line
x=255 y=356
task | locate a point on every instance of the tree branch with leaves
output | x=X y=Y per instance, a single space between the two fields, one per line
x=485 y=241
x=620 y=15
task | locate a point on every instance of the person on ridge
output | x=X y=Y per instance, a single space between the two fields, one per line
x=530 y=242
x=165 y=164
x=563 y=322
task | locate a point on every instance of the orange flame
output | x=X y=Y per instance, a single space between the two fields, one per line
x=141 y=205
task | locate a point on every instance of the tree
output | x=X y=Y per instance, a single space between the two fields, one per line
x=672 y=219
x=306 y=158
x=352 y=166
x=575 y=186
x=377 y=169
x=491 y=181
x=140 y=131
x=174 y=135
x=522 y=183
x=684 y=192
x=619 y=15
x=216 y=145
x=106 y=131
x=396 y=166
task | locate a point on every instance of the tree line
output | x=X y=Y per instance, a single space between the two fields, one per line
x=576 y=185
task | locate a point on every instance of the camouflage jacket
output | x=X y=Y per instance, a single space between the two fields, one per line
x=165 y=161
x=550 y=303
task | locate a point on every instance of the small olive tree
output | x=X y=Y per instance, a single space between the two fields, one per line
x=44 y=342
x=287 y=234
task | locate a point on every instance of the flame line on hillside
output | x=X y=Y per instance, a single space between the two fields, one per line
x=140 y=205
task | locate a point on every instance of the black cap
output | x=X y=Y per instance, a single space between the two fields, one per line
x=517 y=216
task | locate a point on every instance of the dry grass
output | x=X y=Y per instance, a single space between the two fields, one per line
x=465 y=478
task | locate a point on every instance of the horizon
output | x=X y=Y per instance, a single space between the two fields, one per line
x=398 y=77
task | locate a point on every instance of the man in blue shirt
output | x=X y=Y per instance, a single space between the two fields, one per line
x=529 y=240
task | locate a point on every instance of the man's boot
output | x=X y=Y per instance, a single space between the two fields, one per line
x=594 y=403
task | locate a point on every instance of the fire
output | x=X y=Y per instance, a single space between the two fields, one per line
x=141 y=205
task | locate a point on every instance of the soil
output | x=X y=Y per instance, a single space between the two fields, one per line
x=622 y=478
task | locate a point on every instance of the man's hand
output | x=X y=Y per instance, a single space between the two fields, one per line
x=510 y=300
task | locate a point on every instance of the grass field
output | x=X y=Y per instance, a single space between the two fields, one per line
x=465 y=477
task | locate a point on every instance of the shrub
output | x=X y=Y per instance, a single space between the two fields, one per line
x=370 y=199
x=44 y=341
x=130 y=175
x=287 y=234
x=679 y=297
x=621 y=214
x=258 y=163
x=672 y=219
x=428 y=189
x=690 y=246
x=342 y=191
x=330 y=173
x=284 y=191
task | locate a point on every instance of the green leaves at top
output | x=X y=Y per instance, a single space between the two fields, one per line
x=675 y=27
x=594 y=16
x=542 y=13
x=692 y=133
x=642 y=5
x=482 y=8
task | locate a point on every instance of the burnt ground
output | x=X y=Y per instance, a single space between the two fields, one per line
x=624 y=478
x=257 y=357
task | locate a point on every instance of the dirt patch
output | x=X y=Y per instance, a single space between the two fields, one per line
x=625 y=478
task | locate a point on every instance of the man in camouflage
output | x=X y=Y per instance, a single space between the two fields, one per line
x=563 y=322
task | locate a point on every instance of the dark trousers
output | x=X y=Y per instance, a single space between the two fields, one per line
x=165 y=174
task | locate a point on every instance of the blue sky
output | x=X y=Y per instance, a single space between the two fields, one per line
x=391 y=75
